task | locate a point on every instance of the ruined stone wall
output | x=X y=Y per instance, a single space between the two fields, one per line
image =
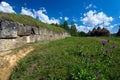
x=14 y=34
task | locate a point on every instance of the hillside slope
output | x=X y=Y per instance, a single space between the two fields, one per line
x=28 y=20
x=86 y=58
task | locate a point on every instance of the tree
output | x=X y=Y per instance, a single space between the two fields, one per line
x=65 y=26
x=118 y=33
x=73 y=29
x=81 y=34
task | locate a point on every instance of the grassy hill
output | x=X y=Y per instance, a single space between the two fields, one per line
x=86 y=58
x=28 y=20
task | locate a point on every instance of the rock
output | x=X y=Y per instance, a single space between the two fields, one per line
x=20 y=31
x=27 y=30
x=8 y=29
x=35 y=30
x=23 y=30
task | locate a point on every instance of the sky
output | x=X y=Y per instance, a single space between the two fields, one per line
x=86 y=14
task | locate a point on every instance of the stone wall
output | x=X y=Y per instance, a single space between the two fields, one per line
x=13 y=34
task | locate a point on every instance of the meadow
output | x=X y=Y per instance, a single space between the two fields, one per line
x=74 y=58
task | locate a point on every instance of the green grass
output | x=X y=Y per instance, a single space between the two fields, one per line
x=71 y=59
x=28 y=20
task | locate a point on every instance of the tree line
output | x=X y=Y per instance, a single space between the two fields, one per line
x=72 y=29
x=95 y=31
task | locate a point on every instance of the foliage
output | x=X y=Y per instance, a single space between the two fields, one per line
x=82 y=34
x=86 y=58
x=73 y=29
x=28 y=20
x=65 y=26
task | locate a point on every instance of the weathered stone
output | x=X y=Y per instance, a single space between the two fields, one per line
x=34 y=30
x=27 y=30
x=23 y=30
x=28 y=34
x=8 y=29
x=13 y=29
x=20 y=31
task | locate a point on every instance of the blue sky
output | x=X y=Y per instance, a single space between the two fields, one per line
x=86 y=14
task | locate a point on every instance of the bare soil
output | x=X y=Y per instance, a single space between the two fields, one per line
x=9 y=61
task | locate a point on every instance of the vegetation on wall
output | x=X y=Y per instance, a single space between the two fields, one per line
x=28 y=20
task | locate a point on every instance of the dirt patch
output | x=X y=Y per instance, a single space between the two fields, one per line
x=8 y=62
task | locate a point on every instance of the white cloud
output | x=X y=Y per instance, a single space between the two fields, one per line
x=83 y=28
x=90 y=6
x=86 y=28
x=92 y=18
x=75 y=20
x=61 y=18
x=44 y=18
x=40 y=14
x=43 y=9
x=53 y=20
x=111 y=27
x=28 y=12
x=66 y=18
x=5 y=7
x=119 y=16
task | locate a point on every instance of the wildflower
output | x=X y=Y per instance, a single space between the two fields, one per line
x=106 y=51
x=103 y=43
x=113 y=46
x=97 y=75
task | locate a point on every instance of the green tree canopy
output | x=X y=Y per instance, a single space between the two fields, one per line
x=73 y=29
x=82 y=34
x=65 y=26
